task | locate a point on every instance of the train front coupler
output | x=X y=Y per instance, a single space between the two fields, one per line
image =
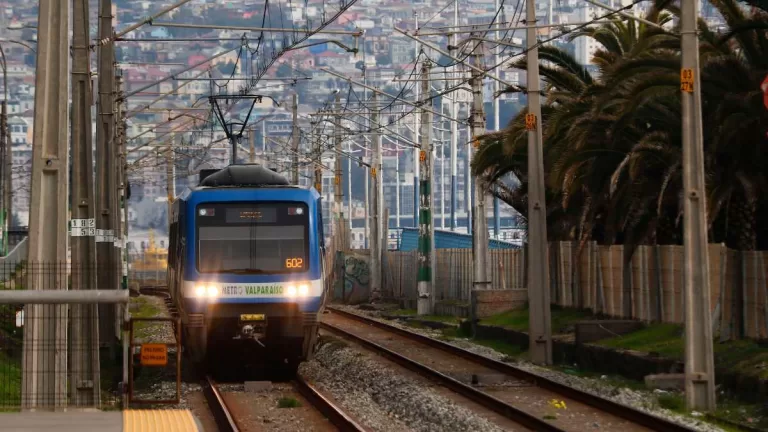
x=252 y=327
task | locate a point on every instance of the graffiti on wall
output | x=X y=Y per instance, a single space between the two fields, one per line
x=354 y=287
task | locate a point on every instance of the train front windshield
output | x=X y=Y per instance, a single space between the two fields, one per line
x=253 y=238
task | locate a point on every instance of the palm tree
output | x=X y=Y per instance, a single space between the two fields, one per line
x=613 y=145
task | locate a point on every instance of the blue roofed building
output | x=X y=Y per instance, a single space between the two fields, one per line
x=409 y=241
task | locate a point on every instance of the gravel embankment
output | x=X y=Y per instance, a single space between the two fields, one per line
x=646 y=401
x=382 y=399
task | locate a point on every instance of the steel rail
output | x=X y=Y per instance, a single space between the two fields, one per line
x=515 y=414
x=627 y=413
x=332 y=412
x=224 y=420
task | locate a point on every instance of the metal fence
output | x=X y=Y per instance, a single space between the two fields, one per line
x=16 y=235
x=453 y=273
x=50 y=355
x=148 y=268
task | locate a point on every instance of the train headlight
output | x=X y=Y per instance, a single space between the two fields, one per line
x=303 y=290
x=291 y=291
x=200 y=290
x=213 y=291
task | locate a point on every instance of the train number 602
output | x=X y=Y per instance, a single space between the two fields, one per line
x=294 y=263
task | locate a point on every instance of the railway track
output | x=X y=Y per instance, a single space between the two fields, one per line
x=227 y=422
x=423 y=350
x=221 y=413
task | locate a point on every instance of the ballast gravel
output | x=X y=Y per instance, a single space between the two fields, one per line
x=646 y=401
x=383 y=400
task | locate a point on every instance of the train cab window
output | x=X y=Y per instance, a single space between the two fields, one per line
x=252 y=238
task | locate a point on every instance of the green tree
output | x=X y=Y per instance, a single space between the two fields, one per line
x=612 y=145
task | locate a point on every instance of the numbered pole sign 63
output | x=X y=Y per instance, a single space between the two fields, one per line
x=530 y=122
x=686 y=80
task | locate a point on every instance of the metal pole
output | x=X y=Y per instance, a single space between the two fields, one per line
x=366 y=206
x=454 y=126
x=425 y=288
x=318 y=166
x=117 y=190
x=468 y=191
x=338 y=192
x=496 y=126
x=295 y=137
x=252 y=148
x=7 y=167
x=699 y=363
x=44 y=358
x=442 y=172
x=169 y=180
x=416 y=135
x=349 y=190
x=7 y=156
x=83 y=223
x=46 y=297
x=124 y=164
x=378 y=208
x=254 y=29
x=480 y=221
x=538 y=261
x=105 y=259
x=397 y=188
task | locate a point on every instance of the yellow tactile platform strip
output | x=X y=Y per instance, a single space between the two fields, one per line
x=159 y=420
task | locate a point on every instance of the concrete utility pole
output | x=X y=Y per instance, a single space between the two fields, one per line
x=378 y=208
x=338 y=192
x=44 y=361
x=105 y=167
x=479 y=221
x=426 y=220
x=83 y=224
x=699 y=363
x=538 y=257
x=295 y=137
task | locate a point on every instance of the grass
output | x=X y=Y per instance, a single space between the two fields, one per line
x=147 y=309
x=449 y=319
x=562 y=319
x=663 y=339
x=10 y=381
x=288 y=402
x=510 y=350
x=742 y=356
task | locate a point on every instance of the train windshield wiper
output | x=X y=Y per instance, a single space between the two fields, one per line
x=243 y=271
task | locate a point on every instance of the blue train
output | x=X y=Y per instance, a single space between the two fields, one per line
x=245 y=264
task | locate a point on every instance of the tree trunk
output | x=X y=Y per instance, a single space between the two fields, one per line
x=666 y=231
x=741 y=223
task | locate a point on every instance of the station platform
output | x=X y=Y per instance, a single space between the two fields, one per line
x=112 y=421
